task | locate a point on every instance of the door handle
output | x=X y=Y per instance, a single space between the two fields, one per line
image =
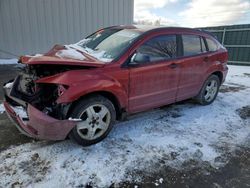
x=173 y=65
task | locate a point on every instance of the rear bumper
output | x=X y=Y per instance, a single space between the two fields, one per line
x=224 y=71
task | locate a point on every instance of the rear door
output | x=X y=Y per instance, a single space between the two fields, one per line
x=153 y=82
x=193 y=66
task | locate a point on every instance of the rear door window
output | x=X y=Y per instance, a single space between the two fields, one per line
x=192 y=45
x=159 y=48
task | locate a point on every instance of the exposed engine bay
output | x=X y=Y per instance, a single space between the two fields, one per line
x=42 y=96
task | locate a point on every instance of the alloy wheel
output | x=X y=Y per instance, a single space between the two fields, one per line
x=211 y=90
x=95 y=121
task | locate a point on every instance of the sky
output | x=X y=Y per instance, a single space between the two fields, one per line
x=193 y=13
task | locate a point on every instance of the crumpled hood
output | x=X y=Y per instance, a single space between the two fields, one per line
x=61 y=55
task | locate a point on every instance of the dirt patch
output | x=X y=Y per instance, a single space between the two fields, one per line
x=9 y=134
x=247 y=74
x=172 y=111
x=231 y=88
x=34 y=168
x=244 y=112
x=196 y=173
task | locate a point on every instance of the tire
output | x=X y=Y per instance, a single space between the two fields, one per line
x=209 y=90
x=98 y=117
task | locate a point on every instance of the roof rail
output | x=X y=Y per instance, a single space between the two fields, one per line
x=209 y=33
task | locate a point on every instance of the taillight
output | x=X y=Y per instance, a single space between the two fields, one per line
x=61 y=89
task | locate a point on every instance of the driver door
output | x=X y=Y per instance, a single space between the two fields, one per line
x=153 y=74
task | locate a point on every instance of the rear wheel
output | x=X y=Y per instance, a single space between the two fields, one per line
x=98 y=116
x=209 y=90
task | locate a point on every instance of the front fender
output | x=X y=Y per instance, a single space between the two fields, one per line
x=82 y=83
x=78 y=90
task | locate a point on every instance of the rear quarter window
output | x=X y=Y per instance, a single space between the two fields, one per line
x=212 y=46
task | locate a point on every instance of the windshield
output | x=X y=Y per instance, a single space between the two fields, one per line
x=106 y=44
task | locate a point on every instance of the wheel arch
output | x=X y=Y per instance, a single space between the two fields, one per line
x=109 y=95
x=219 y=74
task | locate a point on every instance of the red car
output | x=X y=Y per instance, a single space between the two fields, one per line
x=80 y=90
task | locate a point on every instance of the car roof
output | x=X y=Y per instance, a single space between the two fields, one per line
x=149 y=28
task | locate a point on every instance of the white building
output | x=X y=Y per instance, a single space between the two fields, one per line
x=34 y=26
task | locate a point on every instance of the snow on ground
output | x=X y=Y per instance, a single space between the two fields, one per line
x=145 y=143
x=8 y=61
x=9 y=85
x=1 y=108
x=20 y=111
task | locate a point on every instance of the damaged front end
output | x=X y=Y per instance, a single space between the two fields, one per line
x=33 y=107
x=42 y=96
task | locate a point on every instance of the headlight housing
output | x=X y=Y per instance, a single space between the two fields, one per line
x=61 y=89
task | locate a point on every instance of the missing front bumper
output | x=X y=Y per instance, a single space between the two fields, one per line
x=32 y=122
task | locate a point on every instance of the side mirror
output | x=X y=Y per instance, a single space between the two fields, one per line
x=138 y=58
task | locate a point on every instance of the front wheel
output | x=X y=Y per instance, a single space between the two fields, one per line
x=98 y=116
x=209 y=90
